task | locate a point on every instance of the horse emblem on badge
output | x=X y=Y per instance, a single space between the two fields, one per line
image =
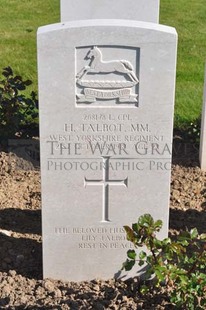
x=106 y=80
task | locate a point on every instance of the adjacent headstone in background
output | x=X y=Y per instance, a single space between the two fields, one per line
x=106 y=92
x=203 y=131
x=141 y=10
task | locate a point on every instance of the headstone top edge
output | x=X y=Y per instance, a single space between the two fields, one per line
x=107 y=23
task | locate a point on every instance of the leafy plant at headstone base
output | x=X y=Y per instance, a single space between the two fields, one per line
x=178 y=266
x=18 y=112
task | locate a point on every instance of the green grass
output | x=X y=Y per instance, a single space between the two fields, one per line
x=189 y=19
x=19 y=21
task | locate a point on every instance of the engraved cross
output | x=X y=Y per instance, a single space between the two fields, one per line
x=105 y=182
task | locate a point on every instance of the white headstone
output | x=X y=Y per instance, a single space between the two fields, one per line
x=203 y=131
x=142 y=10
x=106 y=91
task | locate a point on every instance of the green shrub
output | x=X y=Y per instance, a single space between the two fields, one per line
x=18 y=112
x=179 y=266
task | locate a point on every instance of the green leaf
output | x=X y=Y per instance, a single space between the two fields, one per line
x=184 y=242
x=135 y=227
x=20 y=86
x=146 y=220
x=203 y=236
x=158 y=224
x=28 y=82
x=144 y=289
x=167 y=241
x=194 y=233
x=184 y=235
x=141 y=262
x=160 y=275
x=177 y=248
x=7 y=72
x=130 y=233
x=128 y=265
x=131 y=254
x=142 y=255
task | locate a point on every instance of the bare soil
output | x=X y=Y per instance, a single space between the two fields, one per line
x=21 y=284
